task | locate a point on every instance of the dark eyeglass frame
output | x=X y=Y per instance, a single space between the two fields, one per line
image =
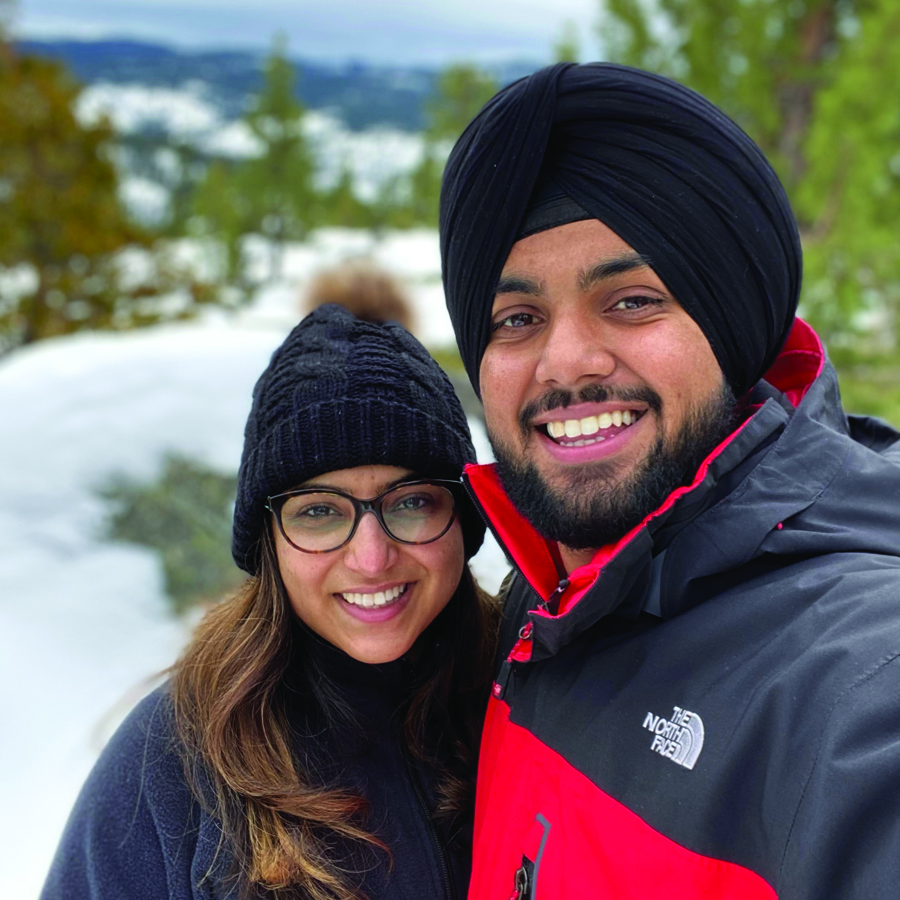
x=276 y=502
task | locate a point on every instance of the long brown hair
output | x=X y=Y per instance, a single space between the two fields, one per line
x=276 y=821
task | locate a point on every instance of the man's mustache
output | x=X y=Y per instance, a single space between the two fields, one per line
x=558 y=398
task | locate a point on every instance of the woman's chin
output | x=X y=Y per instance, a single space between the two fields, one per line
x=377 y=652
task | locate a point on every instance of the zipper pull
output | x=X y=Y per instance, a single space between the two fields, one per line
x=552 y=602
x=499 y=688
x=521 y=884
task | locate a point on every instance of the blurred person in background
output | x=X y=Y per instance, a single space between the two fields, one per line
x=319 y=735
x=700 y=655
x=375 y=295
x=370 y=293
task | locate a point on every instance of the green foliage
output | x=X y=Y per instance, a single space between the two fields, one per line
x=219 y=202
x=181 y=182
x=186 y=517
x=850 y=195
x=418 y=196
x=448 y=358
x=872 y=388
x=277 y=185
x=271 y=194
x=567 y=47
x=811 y=81
x=60 y=218
x=340 y=206
x=761 y=61
x=462 y=90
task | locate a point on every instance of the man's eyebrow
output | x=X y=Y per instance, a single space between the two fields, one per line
x=516 y=284
x=608 y=268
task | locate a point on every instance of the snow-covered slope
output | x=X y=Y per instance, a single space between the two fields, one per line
x=84 y=627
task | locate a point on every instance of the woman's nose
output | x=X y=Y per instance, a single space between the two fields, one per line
x=370 y=550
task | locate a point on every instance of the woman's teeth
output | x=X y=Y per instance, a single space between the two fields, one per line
x=576 y=428
x=379 y=598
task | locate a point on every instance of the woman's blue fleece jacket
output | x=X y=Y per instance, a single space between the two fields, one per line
x=136 y=832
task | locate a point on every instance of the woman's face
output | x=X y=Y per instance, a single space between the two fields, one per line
x=371 y=562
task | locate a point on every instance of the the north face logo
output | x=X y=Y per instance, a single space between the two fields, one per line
x=679 y=738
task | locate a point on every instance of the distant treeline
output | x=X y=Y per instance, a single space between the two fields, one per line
x=361 y=94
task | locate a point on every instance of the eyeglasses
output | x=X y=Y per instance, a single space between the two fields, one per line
x=317 y=521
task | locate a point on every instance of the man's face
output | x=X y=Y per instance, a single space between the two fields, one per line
x=601 y=394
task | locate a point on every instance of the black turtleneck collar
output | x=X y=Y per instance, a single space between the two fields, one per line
x=314 y=657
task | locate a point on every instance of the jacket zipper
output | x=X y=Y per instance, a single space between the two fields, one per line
x=523 y=881
x=419 y=791
x=506 y=667
x=551 y=604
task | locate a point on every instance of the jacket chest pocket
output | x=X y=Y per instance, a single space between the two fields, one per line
x=525 y=878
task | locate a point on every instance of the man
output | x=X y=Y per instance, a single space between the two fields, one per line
x=700 y=688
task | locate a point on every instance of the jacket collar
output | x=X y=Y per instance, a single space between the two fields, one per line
x=614 y=580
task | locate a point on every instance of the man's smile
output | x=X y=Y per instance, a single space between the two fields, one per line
x=568 y=431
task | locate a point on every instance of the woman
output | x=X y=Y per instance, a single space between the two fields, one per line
x=318 y=738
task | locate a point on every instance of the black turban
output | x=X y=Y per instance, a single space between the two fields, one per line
x=657 y=163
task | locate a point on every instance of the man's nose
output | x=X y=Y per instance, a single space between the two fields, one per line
x=370 y=551
x=575 y=350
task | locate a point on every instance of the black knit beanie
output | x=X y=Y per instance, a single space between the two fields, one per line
x=339 y=393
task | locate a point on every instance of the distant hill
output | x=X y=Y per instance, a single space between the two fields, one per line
x=362 y=95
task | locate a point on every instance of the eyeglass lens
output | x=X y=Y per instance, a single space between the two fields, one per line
x=415 y=513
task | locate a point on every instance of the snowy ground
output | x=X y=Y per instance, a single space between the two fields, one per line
x=84 y=627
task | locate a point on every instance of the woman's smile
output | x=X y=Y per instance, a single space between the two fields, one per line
x=376 y=606
x=373 y=596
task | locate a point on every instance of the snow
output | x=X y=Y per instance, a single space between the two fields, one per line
x=183 y=112
x=84 y=626
x=233 y=140
x=145 y=199
x=191 y=116
x=373 y=157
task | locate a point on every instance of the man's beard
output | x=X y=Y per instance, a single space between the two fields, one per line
x=598 y=506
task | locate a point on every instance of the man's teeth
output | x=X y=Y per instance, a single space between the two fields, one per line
x=379 y=598
x=574 y=428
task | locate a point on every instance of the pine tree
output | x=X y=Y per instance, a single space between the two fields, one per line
x=62 y=227
x=224 y=210
x=271 y=194
x=60 y=215
x=567 y=47
x=279 y=182
x=462 y=89
x=340 y=206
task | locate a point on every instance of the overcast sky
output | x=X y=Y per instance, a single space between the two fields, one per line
x=401 y=31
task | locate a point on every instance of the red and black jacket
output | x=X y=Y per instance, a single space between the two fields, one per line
x=711 y=707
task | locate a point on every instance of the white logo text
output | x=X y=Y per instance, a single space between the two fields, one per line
x=679 y=738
